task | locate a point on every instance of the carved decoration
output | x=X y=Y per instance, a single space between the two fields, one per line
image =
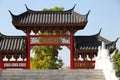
x=2 y=56
x=84 y=56
x=8 y=55
x=16 y=56
x=91 y=56
x=76 y=56
x=50 y=40
x=23 y=55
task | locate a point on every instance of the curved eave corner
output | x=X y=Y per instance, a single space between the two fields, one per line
x=87 y=15
x=86 y=18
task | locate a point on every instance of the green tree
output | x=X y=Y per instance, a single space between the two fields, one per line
x=46 y=57
x=56 y=8
x=116 y=61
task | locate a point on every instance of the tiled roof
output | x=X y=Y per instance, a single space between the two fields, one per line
x=12 y=44
x=32 y=18
x=92 y=42
x=49 y=17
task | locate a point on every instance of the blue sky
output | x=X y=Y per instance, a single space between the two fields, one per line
x=104 y=14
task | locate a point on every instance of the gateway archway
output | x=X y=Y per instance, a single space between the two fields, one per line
x=63 y=23
x=60 y=27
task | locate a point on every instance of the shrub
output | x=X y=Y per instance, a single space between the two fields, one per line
x=116 y=61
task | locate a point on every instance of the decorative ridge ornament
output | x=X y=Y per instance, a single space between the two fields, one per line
x=99 y=31
x=27 y=7
x=13 y=16
x=29 y=10
x=88 y=13
x=10 y=12
x=98 y=34
x=116 y=40
x=73 y=7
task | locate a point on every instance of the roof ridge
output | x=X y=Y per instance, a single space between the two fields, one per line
x=12 y=36
x=15 y=36
x=69 y=10
x=102 y=38
x=64 y=11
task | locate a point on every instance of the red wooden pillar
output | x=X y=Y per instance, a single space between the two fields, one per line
x=1 y=64
x=28 y=51
x=1 y=61
x=71 y=52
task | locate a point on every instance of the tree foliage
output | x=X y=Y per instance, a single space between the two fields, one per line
x=54 y=9
x=46 y=57
x=116 y=61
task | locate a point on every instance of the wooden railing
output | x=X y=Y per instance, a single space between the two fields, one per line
x=78 y=64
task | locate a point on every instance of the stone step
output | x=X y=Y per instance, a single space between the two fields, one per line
x=52 y=72
x=51 y=75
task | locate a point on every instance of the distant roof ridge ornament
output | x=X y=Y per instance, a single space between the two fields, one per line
x=116 y=40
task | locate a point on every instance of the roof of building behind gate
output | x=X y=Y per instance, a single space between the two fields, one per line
x=12 y=44
x=93 y=42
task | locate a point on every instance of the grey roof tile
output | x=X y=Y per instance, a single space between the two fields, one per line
x=12 y=43
x=92 y=42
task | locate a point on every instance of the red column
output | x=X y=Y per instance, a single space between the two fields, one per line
x=1 y=61
x=1 y=64
x=28 y=51
x=71 y=52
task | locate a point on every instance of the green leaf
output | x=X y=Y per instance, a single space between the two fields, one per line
x=116 y=61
